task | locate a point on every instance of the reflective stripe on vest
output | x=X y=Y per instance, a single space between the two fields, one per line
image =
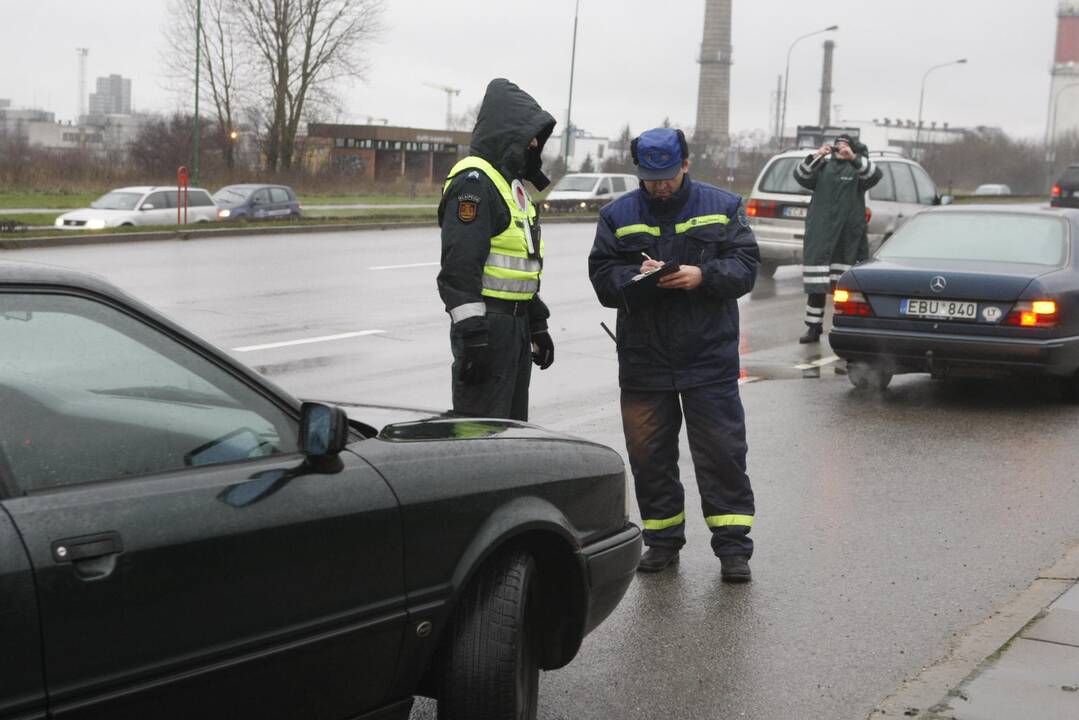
x=715 y=521
x=509 y=272
x=664 y=523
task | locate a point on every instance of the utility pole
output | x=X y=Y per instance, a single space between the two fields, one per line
x=198 y=66
x=450 y=92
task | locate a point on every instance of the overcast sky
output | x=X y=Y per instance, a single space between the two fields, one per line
x=636 y=59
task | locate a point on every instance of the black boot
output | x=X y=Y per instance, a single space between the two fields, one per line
x=735 y=568
x=658 y=557
x=813 y=333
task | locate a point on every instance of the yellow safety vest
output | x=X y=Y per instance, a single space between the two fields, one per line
x=513 y=267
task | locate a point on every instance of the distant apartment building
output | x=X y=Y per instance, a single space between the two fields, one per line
x=113 y=97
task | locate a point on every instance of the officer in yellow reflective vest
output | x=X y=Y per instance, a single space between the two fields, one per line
x=492 y=257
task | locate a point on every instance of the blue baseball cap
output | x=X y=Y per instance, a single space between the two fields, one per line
x=659 y=153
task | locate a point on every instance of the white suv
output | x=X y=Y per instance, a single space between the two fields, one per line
x=777 y=204
x=141 y=205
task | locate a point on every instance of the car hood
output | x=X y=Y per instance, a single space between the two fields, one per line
x=570 y=195
x=963 y=279
x=94 y=214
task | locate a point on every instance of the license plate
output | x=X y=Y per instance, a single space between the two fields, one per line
x=940 y=309
x=794 y=211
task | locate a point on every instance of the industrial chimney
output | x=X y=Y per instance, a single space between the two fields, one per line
x=825 y=119
x=1063 y=103
x=82 y=53
x=714 y=91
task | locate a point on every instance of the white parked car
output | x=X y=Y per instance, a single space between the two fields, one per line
x=141 y=205
x=579 y=192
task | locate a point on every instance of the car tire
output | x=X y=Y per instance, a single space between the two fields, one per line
x=1069 y=388
x=489 y=668
x=767 y=269
x=868 y=376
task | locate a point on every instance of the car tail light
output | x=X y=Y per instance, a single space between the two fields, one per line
x=869 y=213
x=762 y=208
x=1055 y=192
x=848 y=302
x=1033 y=313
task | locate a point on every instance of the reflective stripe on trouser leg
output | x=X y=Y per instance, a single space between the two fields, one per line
x=815 y=309
x=651 y=421
x=815 y=278
x=504 y=394
x=715 y=424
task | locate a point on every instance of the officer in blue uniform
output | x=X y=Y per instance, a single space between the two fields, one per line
x=678 y=353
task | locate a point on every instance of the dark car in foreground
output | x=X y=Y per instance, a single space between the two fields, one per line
x=257 y=202
x=179 y=538
x=966 y=291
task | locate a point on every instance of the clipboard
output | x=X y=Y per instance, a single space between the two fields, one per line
x=641 y=290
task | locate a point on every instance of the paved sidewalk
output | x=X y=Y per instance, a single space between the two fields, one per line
x=1025 y=661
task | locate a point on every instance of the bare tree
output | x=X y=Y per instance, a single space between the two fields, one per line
x=304 y=46
x=223 y=61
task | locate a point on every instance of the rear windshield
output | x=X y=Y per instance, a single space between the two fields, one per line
x=576 y=182
x=992 y=237
x=779 y=178
x=1070 y=176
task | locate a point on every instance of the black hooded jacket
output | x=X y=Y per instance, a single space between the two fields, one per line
x=509 y=119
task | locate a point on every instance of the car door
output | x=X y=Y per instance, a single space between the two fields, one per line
x=280 y=203
x=906 y=193
x=155 y=210
x=260 y=204
x=189 y=562
x=882 y=203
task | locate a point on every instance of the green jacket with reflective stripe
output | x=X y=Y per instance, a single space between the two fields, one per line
x=685 y=338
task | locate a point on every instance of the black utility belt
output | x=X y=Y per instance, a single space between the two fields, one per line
x=506 y=307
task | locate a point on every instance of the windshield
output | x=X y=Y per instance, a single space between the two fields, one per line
x=580 y=183
x=231 y=196
x=117 y=201
x=991 y=237
x=780 y=177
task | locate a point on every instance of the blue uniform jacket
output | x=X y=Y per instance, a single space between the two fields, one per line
x=685 y=338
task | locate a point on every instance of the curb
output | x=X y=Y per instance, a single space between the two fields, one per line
x=921 y=695
x=209 y=234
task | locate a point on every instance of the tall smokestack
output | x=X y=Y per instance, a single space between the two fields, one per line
x=826 y=86
x=1063 y=103
x=714 y=91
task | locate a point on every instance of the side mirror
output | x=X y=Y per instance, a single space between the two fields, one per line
x=323 y=430
x=147 y=206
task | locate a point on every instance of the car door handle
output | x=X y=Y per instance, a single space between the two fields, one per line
x=92 y=557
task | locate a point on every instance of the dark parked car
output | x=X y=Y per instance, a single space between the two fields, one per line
x=1065 y=192
x=257 y=202
x=179 y=538
x=973 y=290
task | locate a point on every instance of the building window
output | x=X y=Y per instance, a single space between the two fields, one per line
x=339 y=142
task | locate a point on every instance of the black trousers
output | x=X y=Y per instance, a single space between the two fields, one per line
x=505 y=392
x=715 y=423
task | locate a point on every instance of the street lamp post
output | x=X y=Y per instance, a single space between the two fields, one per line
x=567 y=133
x=921 y=100
x=198 y=64
x=787 y=77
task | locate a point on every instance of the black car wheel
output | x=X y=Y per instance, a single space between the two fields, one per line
x=868 y=376
x=489 y=668
x=1069 y=388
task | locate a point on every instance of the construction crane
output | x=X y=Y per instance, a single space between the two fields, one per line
x=450 y=92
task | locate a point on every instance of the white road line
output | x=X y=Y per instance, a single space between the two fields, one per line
x=307 y=341
x=398 y=267
x=817 y=363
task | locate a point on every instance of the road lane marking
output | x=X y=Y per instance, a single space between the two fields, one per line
x=398 y=267
x=817 y=363
x=307 y=341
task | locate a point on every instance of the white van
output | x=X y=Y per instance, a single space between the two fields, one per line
x=587 y=192
x=142 y=205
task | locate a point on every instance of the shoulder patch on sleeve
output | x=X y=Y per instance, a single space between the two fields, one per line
x=466 y=210
x=743 y=219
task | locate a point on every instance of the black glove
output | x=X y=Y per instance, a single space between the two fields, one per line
x=542 y=349
x=475 y=364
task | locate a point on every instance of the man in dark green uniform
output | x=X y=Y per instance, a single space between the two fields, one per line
x=839 y=176
x=492 y=257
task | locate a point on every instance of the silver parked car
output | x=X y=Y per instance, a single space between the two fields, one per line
x=777 y=204
x=141 y=205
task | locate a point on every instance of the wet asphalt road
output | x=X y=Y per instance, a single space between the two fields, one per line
x=885 y=524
